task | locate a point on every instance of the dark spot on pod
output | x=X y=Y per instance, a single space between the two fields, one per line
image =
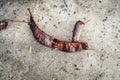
x=55 y=40
x=84 y=46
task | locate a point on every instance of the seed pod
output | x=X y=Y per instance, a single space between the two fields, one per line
x=52 y=42
x=77 y=31
x=3 y=25
x=69 y=46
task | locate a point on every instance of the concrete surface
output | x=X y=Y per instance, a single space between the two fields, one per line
x=23 y=58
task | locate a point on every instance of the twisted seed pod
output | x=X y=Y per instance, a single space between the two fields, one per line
x=52 y=42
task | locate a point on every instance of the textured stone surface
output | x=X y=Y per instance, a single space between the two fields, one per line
x=23 y=58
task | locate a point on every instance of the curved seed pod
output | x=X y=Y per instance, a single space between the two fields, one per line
x=69 y=46
x=40 y=35
x=3 y=25
x=77 y=31
x=52 y=42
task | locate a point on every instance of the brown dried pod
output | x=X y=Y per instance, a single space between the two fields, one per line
x=52 y=42
x=77 y=30
x=69 y=46
x=3 y=25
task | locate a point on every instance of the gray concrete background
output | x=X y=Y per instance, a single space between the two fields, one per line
x=23 y=58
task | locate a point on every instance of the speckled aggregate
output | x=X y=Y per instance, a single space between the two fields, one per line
x=23 y=58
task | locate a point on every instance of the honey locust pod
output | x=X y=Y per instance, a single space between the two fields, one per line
x=3 y=25
x=52 y=42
